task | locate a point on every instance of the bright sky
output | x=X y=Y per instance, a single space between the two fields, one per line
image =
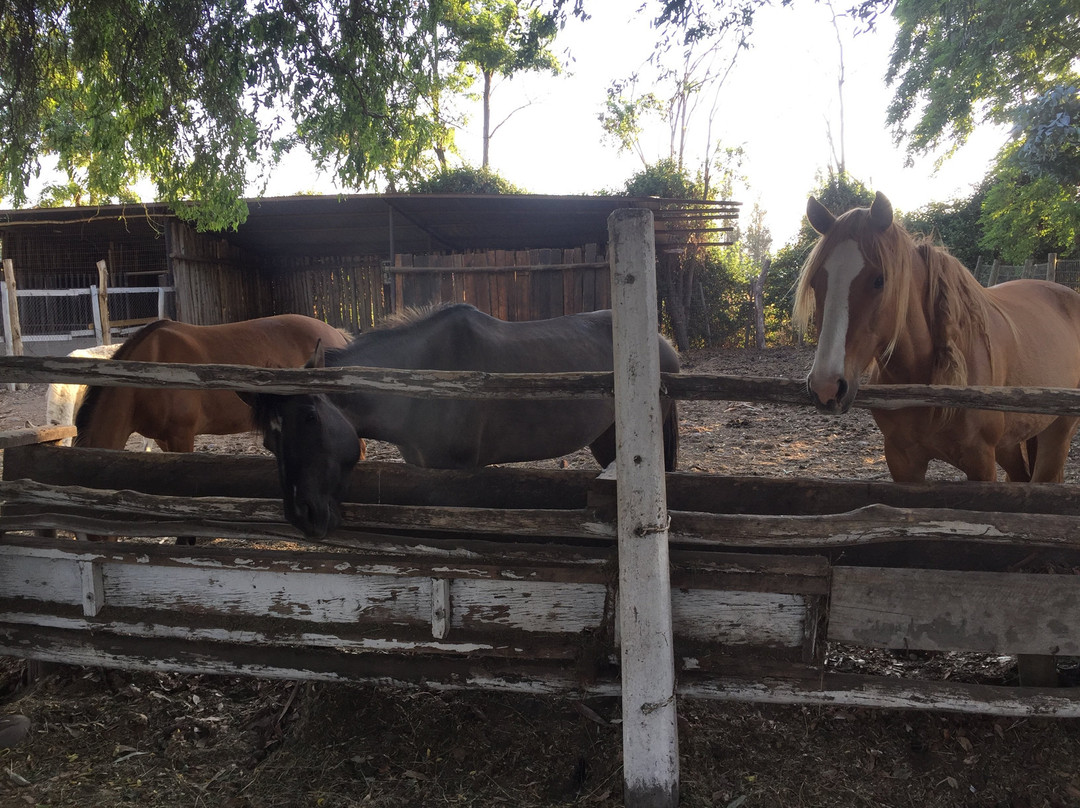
x=775 y=105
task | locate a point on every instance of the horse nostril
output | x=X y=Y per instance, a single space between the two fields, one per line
x=841 y=390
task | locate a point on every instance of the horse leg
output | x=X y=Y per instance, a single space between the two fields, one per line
x=1052 y=450
x=905 y=466
x=979 y=465
x=1013 y=460
x=603 y=448
x=179 y=442
x=671 y=436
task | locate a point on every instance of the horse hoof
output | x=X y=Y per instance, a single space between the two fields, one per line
x=13 y=728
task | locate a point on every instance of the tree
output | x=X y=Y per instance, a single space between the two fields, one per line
x=695 y=74
x=687 y=279
x=1048 y=131
x=499 y=37
x=958 y=62
x=464 y=180
x=1025 y=215
x=197 y=94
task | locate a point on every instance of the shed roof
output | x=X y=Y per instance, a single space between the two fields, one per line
x=385 y=224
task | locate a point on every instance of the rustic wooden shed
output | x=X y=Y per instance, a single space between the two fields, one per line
x=349 y=260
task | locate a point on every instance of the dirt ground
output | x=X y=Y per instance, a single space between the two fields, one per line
x=110 y=738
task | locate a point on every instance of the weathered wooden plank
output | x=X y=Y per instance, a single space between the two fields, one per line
x=850 y=690
x=117 y=508
x=427 y=383
x=33 y=435
x=200 y=474
x=313 y=597
x=279 y=633
x=514 y=676
x=79 y=508
x=469 y=384
x=438 y=671
x=943 y=610
x=553 y=607
x=738 y=618
x=56 y=580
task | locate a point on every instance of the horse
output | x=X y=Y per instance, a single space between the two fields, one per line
x=913 y=314
x=313 y=437
x=172 y=417
x=62 y=400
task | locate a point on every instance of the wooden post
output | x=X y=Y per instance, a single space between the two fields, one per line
x=1029 y=269
x=1051 y=267
x=650 y=736
x=12 y=324
x=103 y=302
x=992 y=280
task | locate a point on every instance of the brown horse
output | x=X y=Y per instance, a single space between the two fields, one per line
x=109 y=415
x=916 y=315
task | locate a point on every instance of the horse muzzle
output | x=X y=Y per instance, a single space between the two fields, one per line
x=834 y=398
x=314 y=520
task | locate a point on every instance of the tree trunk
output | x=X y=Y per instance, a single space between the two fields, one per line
x=487 y=115
x=757 y=289
x=677 y=290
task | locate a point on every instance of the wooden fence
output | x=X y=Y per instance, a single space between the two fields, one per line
x=1066 y=272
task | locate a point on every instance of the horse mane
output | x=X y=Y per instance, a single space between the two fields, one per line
x=85 y=413
x=956 y=307
x=408 y=316
x=959 y=313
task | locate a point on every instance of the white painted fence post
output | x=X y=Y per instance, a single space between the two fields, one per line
x=650 y=736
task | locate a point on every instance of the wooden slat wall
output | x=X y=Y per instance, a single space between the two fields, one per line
x=211 y=283
x=511 y=285
x=344 y=291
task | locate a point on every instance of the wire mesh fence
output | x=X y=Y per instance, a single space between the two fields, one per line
x=56 y=275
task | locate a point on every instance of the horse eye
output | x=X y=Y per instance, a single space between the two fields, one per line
x=879 y=282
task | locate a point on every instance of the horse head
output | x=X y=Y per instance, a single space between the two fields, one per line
x=844 y=285
x=316 y=449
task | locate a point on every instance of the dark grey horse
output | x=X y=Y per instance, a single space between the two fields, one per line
x=313 y=437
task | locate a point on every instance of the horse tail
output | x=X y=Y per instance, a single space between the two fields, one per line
x=671 y=436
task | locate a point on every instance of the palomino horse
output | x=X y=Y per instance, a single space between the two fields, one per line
x=917 y=316
x=314 y=436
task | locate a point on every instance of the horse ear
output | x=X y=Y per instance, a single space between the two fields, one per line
x=318 y=357
x=881 y=212
x=821 y=218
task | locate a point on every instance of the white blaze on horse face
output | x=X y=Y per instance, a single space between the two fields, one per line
x=841 y=268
